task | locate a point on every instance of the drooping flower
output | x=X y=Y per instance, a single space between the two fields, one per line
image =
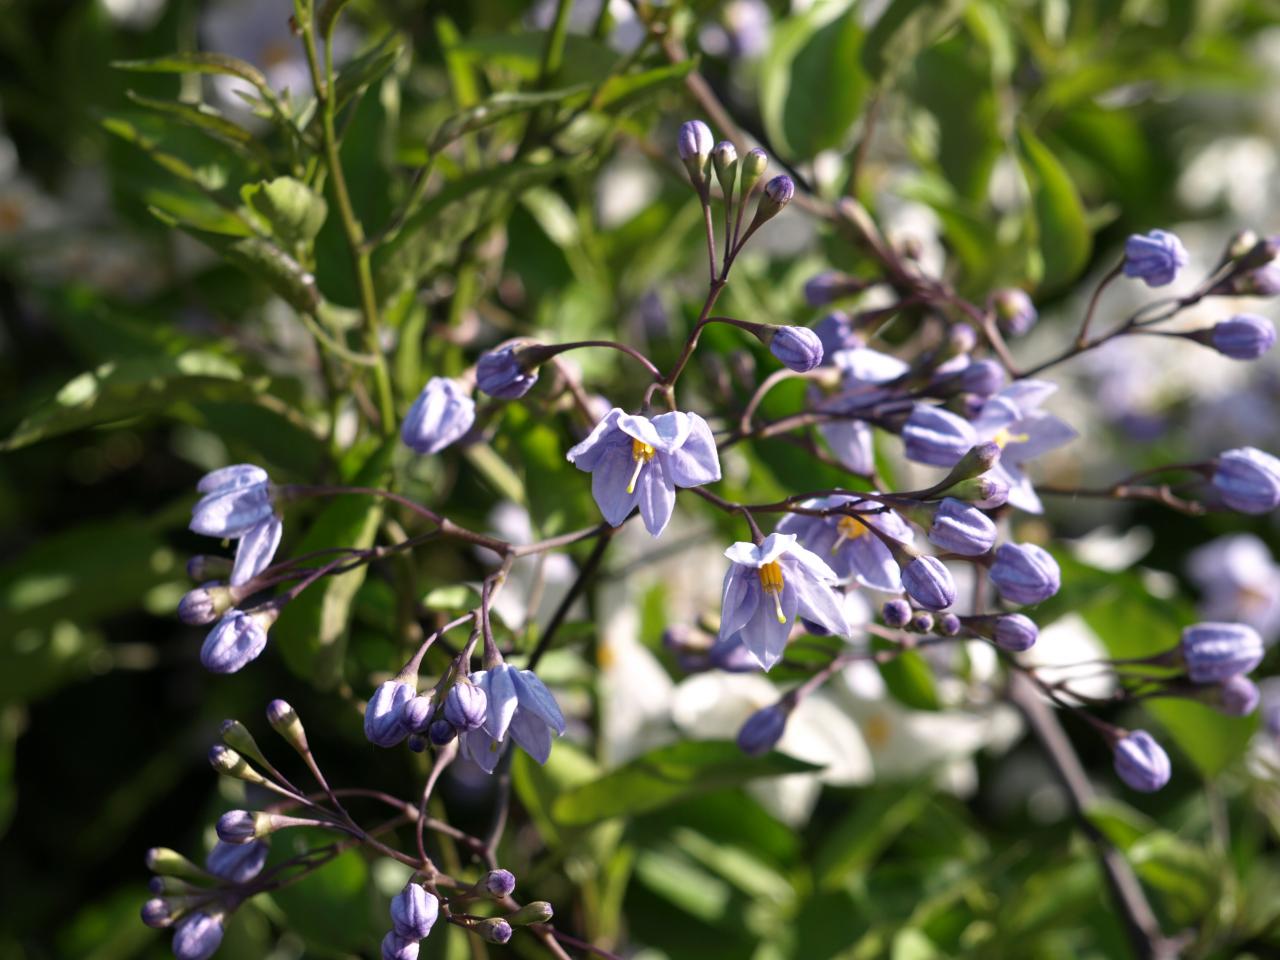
x=1215 y=652
x=238 y=505
x=519 y=704
x=797 y=348
x=929 y=583
x=637 y=461
x=767 y=586
x=1011 y=419
x=863 y=374
x=384 y=721
x=236 y=640
x=852 y=550
x=500 y=373
x=1248 y=480
x=1156 y=258
x=197 y=936
x=413 y=912
x=1246 y=336
x=442 y=413
x=237 y=862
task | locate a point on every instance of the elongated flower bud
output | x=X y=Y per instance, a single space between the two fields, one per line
x=204 y=604
x=197 y=936
x=171 y=863
x=414 y=912
x=1141 y=762
x=285 y=721
x=466 y=706
x=763 y=729
x=694 y=144
x=724 y=158
x=929 y=583
x=1248 y=480
x=538 y=911
x=1214 y=652
x=798 y=348
x=754 y=163
x=231 y=764
x=777 y=194
x=237 y=736
x=1025 y=573
x=383 y=716
x=493 y=930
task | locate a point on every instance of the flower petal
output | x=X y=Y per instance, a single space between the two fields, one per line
x=695 y=461
x=763 y=635
x=532 y=735
x=534 y=696
x=256 y=549
x=500 y=687
x=655 y=495
x=609 y=481
x=585 y=454
x=739 y=598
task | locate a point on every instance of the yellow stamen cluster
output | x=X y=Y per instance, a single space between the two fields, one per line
x=771 y=580
x=641 y=453
x=1003 y=437
x=850 y=529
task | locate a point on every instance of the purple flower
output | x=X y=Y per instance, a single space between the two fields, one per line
x=465 y=706
x=1025 y=573
x=441 y=732
x=384 y=715
x=797 y=348
x=499 y=373
x=732 y=656
x=1248 y=480
x=1240 y=581
x=237 y=639
x=395 y=947
x=237 y=862
x=1011 y=419
x=962 y=529
x=636 y=461
x=238 y=505
x=157 y=913
x=836 y=332
x=413 y=912
x=767 y=586
x=1245 y=336
x=863 y=374
x=1215 y=652
x=204 y=604
x=929 y=583
x=1237 y=696
x=498 y=883
x=519 y=704
x=197 y=936
x=853 y=551
x=1155 y=258
x=415 y=715
x=237 y=827
x=1141 y=762
x=822 y=288
x=1014 y=311
x=443 y=412
x=695 y=141
x=762 y=730
x=896 y=613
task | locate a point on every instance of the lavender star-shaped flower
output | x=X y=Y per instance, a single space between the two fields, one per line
x=637 y=461
x=1011 y=419
x=863 y=373
x=767 y=586
x=519 y=704
x=237 y=505
x=854 y=552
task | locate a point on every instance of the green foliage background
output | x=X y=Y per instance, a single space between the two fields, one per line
x=151 y=332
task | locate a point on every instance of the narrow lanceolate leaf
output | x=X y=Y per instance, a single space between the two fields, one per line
x=196 y=62
x=665 y=775
x=1062 y=229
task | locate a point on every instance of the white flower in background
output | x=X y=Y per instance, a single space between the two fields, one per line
x=1240 y=171
x=134 y=14
x=259 y=32
x=535 y=585
x=741 y=31
x=714 y=706
x=627 y=32
x=1239 y=581
x=1107 y=548
x=1061 y=647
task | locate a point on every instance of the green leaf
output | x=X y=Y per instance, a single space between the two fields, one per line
x=585 y=60
x=667 y=774
x=278 y=270
x=198 y=115
x=1062 y=232
x=196 y=62
x=312 y=631
x=875 y=821
x=292 y=210
x=910 y=680
x=623 y=90
x=499 y=107
x=369 y=67
x=130 y=388
x=1210 y=740
x=812 y=52
x=332 y=908
x=1183 y=873
x=953 y=82
x=904 y=29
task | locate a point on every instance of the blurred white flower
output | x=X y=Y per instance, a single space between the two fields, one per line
x=134 y=14
x=1239 y=581
x=1060 y=650
x=536 y=585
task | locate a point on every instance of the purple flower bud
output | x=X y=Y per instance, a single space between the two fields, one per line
x=1262 y=282
x=762 y=730
x=937 y=437
x=500 y=374
x=1215 y=652
x=157 y=913
x=398 y=948
x=928 y=582
x=835 y=332
x=798 y=348
x=1246 y=336
x=237 y=826
x=235 y=499
x=961 y=529
x=498 y=883
x=949 y=625
x=922 y=622
x=1014 y=311
x=441 y=732
x=237 y=862
x=724 y=159
x=197 y=936
x=1025 y=573
x=985 y=378
x=416 y=714
x=204 y=604
x=695 y=141
x=416 y=742
x=383 y=717
x=780 y=190
x=830 y=285
x=896 y=613
x=1155 y=258
x=732 y=656
x=1015 y=632
x=1141 y=762
x=1248 y=480
x=413 y=912
x=1237 y=696
x=238 y=639
x=441 y=415
x=493 y=930
x=465 y=706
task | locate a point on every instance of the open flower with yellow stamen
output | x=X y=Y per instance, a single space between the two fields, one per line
x=768 y=586
x=1011 y=419
x=848 y=544
x=638 y=462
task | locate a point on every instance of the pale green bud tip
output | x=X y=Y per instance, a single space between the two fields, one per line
x=285 y=721
x=237 y=736
x=232 y=764
x=539 y=911
x=168 y=862
x=754 y=164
